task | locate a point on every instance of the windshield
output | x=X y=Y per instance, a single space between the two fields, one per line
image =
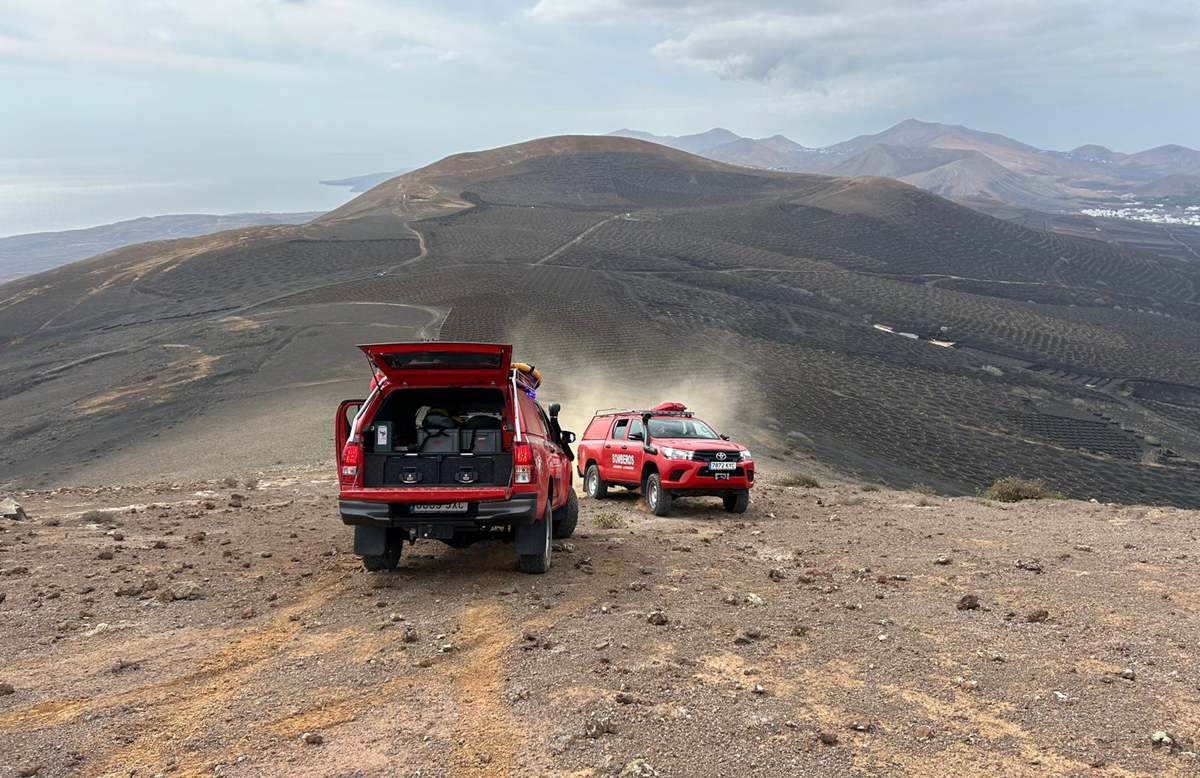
x=681 y=428
x=441 y=359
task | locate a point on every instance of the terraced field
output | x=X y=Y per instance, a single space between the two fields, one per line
x=775 y=303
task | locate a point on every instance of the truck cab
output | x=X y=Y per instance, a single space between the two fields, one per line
x=667 y=453
x=451 y=444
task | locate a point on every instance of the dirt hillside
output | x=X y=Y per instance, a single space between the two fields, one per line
x=226 y=629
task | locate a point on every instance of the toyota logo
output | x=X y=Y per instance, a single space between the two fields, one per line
x=721 y=455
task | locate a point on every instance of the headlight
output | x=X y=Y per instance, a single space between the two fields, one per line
x=676 y=453
x=746 y=455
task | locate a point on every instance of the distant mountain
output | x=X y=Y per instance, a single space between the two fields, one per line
x=776 y=152
x=1166 y=160
x=748 y=152
x=953 y=173
x=897 y=161
x=694 y=144
x=22 y=255
x=961 y=162
x=913 y=132
x=1172 y=186
x=783 y=145
x=1093 y=153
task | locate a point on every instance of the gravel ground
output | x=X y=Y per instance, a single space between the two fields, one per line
x=216 y=629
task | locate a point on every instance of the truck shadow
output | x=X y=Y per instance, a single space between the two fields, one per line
x=684 y=508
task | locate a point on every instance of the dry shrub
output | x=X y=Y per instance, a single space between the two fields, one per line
x=924 y=489
x=1014 y=489
x=800 y=479
x=608 y=520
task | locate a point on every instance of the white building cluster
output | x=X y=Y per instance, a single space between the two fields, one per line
x=1158 y=215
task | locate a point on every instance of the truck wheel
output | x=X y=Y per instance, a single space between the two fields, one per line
x=566 y=517
x=737 y=502
x=537 y=564
x=390 y=558
x=593 y=485
x=658 y=499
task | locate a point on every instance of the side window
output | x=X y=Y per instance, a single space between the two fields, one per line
x=544 y=419
x=531 y=420
x=635 y=428
x=619 y=429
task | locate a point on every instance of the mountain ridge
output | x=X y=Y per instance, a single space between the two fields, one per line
x=1033 y=177
x=30 y=253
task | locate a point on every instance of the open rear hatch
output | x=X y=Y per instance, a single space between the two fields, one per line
x=441 y=364
x=445 y=418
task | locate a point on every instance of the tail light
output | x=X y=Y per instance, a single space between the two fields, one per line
x=351 y=459
x=522 y=464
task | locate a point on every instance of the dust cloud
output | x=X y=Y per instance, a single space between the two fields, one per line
x=596 y=375
x=726 y=405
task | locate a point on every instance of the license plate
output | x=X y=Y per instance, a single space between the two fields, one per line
x=439 y=507
x=722 y=465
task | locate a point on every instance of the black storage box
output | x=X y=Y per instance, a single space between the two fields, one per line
x=373 y=465
x=476 y=471
x=423 y=470
x=439 y=442
x=380 y=437
x=412 y=471
x=481 y=441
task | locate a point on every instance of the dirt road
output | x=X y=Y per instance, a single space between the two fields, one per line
x=188 y=631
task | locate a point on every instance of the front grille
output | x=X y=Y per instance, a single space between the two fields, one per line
x=711 y=456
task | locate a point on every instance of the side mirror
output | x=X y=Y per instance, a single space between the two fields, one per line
x=568 y=437
x=555 y=408
x=724 y=437
x=636 y=436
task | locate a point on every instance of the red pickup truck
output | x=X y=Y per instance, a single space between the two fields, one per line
x=452 y=445
x=667 y=452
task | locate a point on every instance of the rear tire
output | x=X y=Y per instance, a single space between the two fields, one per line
x=390 y=558
x=593 y=484
x=536 y=564
x=566 y=517
x=658 y=499
x=737 y=502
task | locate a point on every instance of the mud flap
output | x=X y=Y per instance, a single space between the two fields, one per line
x=370 y=541
x=531 y=538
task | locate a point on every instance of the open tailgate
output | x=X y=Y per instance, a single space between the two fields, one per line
x=441 y=364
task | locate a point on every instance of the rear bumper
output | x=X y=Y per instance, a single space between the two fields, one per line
x=518 y=509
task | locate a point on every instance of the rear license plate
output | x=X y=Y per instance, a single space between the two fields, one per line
x=722 y=465
x=439 y=507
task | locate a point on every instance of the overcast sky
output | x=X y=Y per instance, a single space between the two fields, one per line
x=118 y=108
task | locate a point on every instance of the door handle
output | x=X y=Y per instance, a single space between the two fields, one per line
x=624 y=447
x=607 y=445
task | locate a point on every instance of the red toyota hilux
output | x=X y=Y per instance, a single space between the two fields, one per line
x=452 y=445
x=668 y=453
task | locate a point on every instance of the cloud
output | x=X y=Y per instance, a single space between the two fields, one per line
x=238 y=34
x=913 y=48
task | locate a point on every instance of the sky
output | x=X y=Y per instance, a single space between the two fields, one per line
x=114 y=109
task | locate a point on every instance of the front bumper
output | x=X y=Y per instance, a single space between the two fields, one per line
x=685 y=475
x=516 y=510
